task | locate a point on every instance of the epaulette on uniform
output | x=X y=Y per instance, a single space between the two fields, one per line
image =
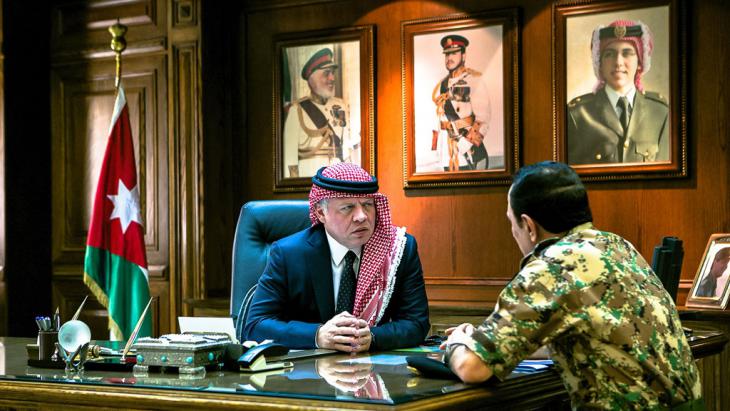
x=473 y=72
x=585 y=98
x=658 y=97
x=299 y=100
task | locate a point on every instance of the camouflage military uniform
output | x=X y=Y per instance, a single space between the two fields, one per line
x=611 y=328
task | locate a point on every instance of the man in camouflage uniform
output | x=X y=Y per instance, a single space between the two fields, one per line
x=619 y=122
x=317 y=131
x=463 y=110
x=611 y=328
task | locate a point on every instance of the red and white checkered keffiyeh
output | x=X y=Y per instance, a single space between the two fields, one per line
x=376 y=253
x=643 y=44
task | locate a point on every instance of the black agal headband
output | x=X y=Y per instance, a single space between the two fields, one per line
x=345 y=186
x=619 y=32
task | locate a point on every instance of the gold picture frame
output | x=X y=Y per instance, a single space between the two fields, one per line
x=439 y=148
x=711 y=288
x=324 y=118
x=588 y=132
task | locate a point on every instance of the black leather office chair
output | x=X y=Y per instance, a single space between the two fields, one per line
x=667 y=263
x=259 y=224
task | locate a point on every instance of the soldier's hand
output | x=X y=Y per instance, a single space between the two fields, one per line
x=459 y=334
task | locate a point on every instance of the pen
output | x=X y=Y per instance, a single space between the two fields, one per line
x=39 y=322
x=57 y=319
x=78 y=311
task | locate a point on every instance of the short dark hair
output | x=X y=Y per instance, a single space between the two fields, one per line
x=722 y=254
x=552 y=194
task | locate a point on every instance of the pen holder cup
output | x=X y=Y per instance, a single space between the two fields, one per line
x=47 y=344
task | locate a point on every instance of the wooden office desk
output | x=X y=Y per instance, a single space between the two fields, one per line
x=390 y=387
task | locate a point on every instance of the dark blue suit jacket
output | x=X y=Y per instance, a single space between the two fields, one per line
x=295 y=296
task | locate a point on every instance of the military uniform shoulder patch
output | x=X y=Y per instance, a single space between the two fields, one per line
x=473 y=72
x=658 y=97
x=299 y=100
x=585 y=98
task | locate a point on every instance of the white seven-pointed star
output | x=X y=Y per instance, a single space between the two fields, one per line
x=126 y=206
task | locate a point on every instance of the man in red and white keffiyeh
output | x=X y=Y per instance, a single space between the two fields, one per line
x=351 y=282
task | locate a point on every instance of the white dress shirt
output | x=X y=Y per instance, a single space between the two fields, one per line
x=613 y=97
x=338 y=251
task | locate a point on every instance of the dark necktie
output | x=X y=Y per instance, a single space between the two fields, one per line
x=623 y=104
x=348 y=282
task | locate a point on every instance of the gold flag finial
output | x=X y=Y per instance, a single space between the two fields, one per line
x=118 y=44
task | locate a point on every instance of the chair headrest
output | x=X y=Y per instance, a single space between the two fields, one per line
x=260 y=223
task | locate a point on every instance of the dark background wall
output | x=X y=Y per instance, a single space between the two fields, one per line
x=27 y=164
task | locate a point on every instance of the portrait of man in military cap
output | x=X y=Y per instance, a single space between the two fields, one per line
x=618 y=88
x=458 y=100
x=320 y=92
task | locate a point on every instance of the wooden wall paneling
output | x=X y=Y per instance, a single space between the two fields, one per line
x=67 y=294
x=187 y=175
x=221 y=201
x=186 y=142
x=3 y=288
x=714 y=373
x=77 y=23
x=82 y=102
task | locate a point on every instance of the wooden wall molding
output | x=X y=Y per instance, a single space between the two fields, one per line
x=83 y=99
x=73 y=56
x=184 y=13
x=187 y=177
x=86 y=22
x=3 y=287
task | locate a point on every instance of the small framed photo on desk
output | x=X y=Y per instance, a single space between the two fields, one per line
x=711 y=288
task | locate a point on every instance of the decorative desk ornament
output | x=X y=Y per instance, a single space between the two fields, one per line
x=73 y=344
x=189 y=353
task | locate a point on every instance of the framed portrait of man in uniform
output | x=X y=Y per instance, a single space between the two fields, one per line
x=461 y=94
x=711 y=288
x=323 y=103
x=618 y=72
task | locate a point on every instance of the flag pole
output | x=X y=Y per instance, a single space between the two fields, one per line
x=118 y=44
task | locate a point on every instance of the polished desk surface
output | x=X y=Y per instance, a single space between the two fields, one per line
x=375 y=381
x=381 y=381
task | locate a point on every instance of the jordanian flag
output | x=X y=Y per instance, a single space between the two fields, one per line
x=115 y=267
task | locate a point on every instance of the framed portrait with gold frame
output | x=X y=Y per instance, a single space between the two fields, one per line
x=711 y=288
x=324 y=106
x=460 y=99
x=619 y=78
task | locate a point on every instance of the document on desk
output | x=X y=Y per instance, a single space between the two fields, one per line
x=208 y=325
x=379 y=359
x=420 y=348
x=531 y=366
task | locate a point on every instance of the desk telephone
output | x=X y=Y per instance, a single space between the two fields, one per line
x=253 y=359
